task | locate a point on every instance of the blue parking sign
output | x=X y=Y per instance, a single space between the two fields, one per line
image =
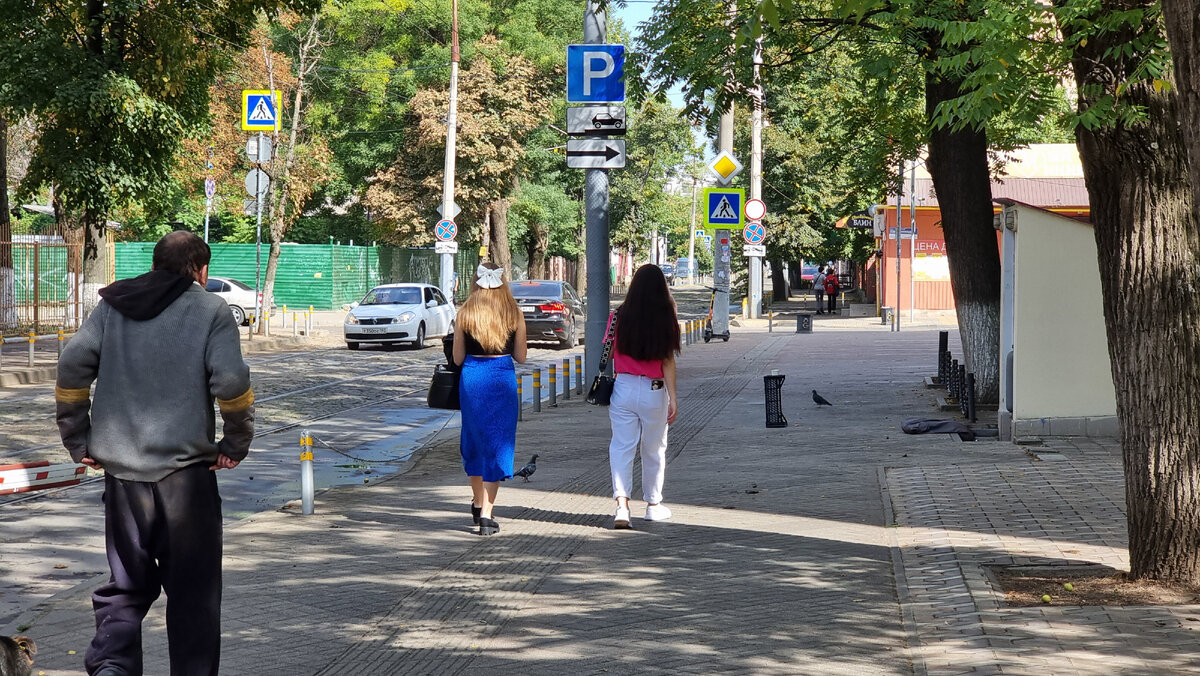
x=595 y=73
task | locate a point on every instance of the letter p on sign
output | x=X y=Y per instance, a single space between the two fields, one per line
x=595 y=73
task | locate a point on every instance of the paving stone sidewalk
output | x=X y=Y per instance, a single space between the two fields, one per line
x=836 y=545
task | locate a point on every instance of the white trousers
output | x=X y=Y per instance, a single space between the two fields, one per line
x=639 y=419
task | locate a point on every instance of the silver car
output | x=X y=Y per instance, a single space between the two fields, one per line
x=399 y=313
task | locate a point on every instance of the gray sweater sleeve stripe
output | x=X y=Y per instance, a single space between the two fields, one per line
x=229 y=382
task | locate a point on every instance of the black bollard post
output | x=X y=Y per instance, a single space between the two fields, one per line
x=952 y=385
x=971 y=397
x=943 y=348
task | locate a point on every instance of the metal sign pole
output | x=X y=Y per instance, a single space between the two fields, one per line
x=692 y=240
x=258 y=197
x=899 y=253
x=595 y=31
x=447 y=259
x=755 y=287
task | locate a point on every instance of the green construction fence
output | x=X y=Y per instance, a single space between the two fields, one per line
x=325 y=276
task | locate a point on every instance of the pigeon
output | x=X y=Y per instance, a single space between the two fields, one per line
x=528 y=470
x=821 y=401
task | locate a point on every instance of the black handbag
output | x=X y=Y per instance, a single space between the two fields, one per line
x=443 y=388
x=600 y=393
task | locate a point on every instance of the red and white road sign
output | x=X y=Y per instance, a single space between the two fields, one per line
x=755 y=210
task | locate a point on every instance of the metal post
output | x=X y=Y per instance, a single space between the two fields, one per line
x=61 y=338
x=566 y=378
x=537 y=390
x=756 y=124
x=32 y=337
x=251 y=336
x=267 y=322
x=771 y=321
x=912 y=241
x=293 y=324
x=692 y=239
x=520 y=400
x=899 y=238
x=446 y=281
x=578 y=374
x=258 y=198
x=595 y=32
x=306 y=473
x=553 y=385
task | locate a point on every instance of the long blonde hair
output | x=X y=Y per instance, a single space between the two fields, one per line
x=490 y=315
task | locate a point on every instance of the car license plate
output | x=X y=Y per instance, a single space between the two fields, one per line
x=374 y=329
x=528 y=308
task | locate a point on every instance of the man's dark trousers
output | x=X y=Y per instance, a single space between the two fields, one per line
x=832 y=302
x=161 y=534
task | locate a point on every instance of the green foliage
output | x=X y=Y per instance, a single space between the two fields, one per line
x=546 y=213
x=115 y=87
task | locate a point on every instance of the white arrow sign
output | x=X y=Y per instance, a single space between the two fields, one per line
x=599 y=154
x=453 y=207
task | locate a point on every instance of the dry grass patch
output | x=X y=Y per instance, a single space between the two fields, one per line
x=1025 y=586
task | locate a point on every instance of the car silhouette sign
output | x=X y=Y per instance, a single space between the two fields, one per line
x=596 y=120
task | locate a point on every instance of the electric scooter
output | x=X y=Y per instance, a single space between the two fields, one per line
x=708 y=321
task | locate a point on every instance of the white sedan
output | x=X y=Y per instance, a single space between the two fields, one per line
x=399 y=313
x=240 y=297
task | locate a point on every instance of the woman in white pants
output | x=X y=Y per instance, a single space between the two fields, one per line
x=644 y=400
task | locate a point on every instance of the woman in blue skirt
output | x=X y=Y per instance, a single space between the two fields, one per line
x=489 y=335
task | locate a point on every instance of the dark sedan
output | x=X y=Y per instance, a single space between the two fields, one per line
x=553 y=311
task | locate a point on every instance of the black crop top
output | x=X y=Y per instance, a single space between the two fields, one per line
x=476 y=350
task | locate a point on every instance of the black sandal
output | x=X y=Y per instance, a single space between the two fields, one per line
x=488 y=526
x=475 y=511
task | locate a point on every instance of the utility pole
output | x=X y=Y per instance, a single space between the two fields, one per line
x=899 y=238
x=756 y=123
x=692 y=239
x=912 y=241
x=595 y=195
x=447 y=259
x=721 y=245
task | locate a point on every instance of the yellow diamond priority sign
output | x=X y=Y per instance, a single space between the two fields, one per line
x=725 y=166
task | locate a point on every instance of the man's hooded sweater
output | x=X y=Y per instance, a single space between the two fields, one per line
x=160 y=348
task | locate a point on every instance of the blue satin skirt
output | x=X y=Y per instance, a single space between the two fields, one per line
x=488 y=395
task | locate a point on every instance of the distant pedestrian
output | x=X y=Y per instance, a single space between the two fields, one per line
x=160 y=348
x=831 y=289
x=819 y=289
x=644 y=400
x=489 y=336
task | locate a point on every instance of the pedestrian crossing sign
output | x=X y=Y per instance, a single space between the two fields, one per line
x=260 y=109
x=723 y=207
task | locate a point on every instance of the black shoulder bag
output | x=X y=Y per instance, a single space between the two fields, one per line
x=443 y=388
x=602 y=386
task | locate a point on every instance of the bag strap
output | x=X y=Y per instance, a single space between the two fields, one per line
x=608 y=341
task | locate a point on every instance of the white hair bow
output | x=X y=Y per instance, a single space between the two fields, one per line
x=489 y=278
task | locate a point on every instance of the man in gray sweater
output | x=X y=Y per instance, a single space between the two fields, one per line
x=159 y=348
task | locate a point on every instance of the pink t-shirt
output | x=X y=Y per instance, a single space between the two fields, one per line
x=626 y=364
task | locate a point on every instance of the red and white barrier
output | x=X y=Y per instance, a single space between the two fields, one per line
x=34 y=476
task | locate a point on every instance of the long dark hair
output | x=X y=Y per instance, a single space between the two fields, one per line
x=647 y=327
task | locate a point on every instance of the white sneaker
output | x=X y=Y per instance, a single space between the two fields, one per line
x=659 y=512
x=621 y=520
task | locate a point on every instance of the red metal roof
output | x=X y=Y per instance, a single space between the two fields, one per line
x=1048 y=193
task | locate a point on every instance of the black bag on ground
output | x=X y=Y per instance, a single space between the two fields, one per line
x=600 y=393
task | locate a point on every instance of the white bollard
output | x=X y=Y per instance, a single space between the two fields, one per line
x=306 y=473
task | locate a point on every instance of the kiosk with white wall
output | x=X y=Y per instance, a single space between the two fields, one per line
x=1055 y=375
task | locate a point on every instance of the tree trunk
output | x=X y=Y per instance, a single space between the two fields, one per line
x=1148 y=241
x=581 y=262
x=95 y=258
x=539 y=241
x=498 y=248
x=958 y=164
x=779 y=287
x=8 y=275
x=1182 y=18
